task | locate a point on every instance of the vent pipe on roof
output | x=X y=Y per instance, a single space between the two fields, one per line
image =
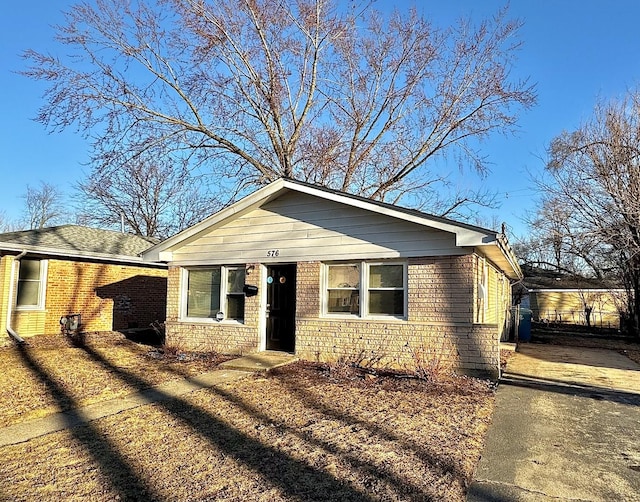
x=17 y=338
x=122 y=222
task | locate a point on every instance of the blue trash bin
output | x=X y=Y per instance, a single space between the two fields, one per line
x=524 y=328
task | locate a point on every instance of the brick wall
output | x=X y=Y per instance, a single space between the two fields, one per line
x=108 y=296
x=441 y=299
x=441 y=289
x=227 y=337
x=439 y=325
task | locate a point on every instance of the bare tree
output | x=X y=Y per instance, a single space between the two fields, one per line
x=595 y=179
x=43 y=206
x=553 y=243
x=6 y=224
x=154 y=194
x=344 y=97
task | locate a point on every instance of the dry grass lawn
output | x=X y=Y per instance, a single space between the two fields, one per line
x=299 y=433
x=87 y=373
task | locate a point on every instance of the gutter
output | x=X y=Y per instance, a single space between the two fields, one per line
x=49 y=251
x=16 y=337
x=503 y=243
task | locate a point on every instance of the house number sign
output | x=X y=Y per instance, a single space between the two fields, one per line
x=272 y=253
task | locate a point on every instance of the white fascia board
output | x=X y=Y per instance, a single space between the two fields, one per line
x=63 y=253
x=163 y=250
x=503 y=257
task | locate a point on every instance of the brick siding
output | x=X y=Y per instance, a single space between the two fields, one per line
x=439 y=324
x=226 y=337
x=108 y=296
x=442 y=292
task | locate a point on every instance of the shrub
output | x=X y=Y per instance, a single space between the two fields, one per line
x=434 y=360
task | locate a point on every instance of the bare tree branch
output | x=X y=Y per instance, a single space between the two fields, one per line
x=347 y=98
x=591 y=212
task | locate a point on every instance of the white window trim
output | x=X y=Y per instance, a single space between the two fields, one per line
x=224 y=284
x=325 y=288
x=42 y=292
x=364 y=291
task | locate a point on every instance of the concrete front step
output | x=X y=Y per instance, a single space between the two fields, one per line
x=259 y=361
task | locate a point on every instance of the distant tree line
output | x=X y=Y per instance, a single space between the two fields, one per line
x=588 y=221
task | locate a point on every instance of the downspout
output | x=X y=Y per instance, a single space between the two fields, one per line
x=12 y=276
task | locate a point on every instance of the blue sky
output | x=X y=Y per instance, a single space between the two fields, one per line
x=575 y=50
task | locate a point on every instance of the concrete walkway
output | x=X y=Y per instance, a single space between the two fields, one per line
x=566 y=427
x=228 y=372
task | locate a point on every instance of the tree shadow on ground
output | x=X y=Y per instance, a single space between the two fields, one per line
x=295 y=478
x=440 y=463
x=113 y=465
x=570 y=389
x=403 y=488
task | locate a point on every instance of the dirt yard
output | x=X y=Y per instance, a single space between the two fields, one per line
x=301 y=432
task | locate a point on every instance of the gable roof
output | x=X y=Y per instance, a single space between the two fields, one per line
x=493 y=244
x=77 y=241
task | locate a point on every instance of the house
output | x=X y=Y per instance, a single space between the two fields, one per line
x=328 y=275
x=50 y=273
x=561 y=298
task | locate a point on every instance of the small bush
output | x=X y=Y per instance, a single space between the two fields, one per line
x=433 y=361
x=356 y=364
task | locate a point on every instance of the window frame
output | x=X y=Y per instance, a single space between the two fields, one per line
x=42 y=289
x=224 y=294
x=364 y=288
x=326 y=288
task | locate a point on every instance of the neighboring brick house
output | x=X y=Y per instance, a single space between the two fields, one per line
x=324 y=275
x=48 y=273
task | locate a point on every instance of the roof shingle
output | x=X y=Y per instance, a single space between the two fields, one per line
x=76 y=238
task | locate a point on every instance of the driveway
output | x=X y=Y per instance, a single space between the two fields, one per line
x=566 y=427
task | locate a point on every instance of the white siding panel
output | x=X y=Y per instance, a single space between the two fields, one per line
x=300 y=227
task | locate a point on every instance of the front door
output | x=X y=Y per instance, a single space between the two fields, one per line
x=281 y=307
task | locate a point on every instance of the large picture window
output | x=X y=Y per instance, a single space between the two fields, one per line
x=366 y=289
x=213 y=290
x=31 y=284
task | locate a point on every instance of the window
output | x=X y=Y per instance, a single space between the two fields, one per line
x=366 y=289
x=214 y=289
x=386 y=290
x=343 y=292
x=235 y=293
x=31 y=284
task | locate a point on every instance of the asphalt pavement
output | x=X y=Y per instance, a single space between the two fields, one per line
x=566 y=427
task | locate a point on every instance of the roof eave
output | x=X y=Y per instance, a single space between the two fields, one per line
x=468 y=236
x=502 y=255
x=64 y=253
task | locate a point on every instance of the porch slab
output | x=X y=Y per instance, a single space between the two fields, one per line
x=260 y=361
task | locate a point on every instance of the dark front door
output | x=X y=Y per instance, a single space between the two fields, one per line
x=281 y=307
